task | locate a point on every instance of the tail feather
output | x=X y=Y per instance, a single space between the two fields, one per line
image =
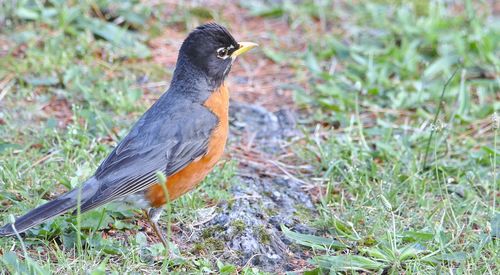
x=38 y=215
x=49 y=210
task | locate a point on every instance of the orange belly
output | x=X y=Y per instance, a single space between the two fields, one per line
x=187 y=178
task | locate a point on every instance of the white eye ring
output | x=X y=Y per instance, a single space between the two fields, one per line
x=222 y=53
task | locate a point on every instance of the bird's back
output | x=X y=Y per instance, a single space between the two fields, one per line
x=187 y=178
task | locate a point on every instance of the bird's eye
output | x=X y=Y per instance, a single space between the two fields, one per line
x=222 y=53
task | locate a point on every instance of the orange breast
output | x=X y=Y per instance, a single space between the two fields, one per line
x=186 y=179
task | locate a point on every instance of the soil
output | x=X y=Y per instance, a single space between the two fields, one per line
x=254 y=78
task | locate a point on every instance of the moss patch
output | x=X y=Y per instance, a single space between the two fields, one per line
x=263 y=235
x=238 y=225
x=210 y=231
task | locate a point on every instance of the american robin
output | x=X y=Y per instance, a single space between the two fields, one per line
x=182 y=135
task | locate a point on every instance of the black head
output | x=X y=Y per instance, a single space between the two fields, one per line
x=211 y=49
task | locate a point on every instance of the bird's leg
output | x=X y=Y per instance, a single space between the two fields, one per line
x=153 y=215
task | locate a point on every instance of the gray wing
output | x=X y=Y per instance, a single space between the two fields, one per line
x=162 y=140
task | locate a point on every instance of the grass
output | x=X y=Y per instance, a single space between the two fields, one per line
x=409 y=180
x=407 y=171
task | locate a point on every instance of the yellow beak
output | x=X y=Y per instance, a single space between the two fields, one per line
x=244 y=47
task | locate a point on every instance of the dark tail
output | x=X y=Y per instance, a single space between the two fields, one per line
x=51 y=209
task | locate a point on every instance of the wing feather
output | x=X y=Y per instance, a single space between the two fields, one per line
x=163 y=141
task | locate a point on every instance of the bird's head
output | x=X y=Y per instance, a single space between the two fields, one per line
x=212 y=50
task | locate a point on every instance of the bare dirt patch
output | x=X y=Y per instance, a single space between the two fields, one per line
x=254 y=78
